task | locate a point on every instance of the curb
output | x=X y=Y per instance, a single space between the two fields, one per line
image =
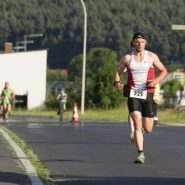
x=30 y=170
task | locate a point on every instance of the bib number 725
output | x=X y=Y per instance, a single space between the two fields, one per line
x=135 y=93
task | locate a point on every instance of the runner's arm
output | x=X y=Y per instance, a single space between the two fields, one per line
x=58 y=96
x=120 y=69
x=162 y=71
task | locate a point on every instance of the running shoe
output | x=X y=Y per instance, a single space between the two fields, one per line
x=6 y=120
x=140 y=159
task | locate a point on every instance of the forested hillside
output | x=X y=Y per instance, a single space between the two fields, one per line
x=111 y=24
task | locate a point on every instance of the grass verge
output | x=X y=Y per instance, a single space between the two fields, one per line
x=171 y=116
x=119 y=114
x=42 y=172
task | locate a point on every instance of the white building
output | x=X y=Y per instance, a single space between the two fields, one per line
x=26 y=72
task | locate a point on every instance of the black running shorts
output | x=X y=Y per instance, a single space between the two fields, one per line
x=143 y=106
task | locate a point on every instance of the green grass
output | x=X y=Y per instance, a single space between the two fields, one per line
x=171 y=116
x=119 y=114
x=42 y=172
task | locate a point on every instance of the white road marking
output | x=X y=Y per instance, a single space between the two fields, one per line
x=30 y=170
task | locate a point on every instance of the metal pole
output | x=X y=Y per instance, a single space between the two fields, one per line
x=84 y=58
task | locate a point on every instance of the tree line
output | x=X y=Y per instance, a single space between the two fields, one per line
x=110 y=25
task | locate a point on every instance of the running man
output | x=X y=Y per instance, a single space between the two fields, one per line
x=7 y=97
x=141 y=65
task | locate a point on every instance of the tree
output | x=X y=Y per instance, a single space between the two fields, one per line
x=100 y=68
x=61 y=22
x=170 y=88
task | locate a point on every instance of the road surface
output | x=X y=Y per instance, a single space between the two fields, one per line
x=102 y=154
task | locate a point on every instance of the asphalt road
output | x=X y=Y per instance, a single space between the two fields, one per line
x=102 y=154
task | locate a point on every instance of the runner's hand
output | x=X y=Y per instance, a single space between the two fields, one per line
x=118 y=85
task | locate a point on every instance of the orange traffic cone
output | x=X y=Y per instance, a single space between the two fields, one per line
x=75 y=117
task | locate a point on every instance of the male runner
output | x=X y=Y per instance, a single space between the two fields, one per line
x=141 y=82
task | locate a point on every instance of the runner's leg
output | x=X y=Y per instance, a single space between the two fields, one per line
x=4 y=111
x=131 y=125
x=148 y=124
x=8 y=110
x=138 y=134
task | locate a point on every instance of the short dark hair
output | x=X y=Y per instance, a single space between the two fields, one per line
x=139 y=35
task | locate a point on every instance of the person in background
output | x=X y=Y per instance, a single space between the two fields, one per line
x=130 y=121
x=131 y=126
x=180 y=95
x=7 y=96
x=62 y=98
x=156 y=100
x=141 y=65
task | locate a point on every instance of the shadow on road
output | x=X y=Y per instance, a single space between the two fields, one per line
x=123 y=181
x=13 y=178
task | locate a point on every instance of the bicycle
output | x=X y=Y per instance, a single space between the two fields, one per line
x=61 y=111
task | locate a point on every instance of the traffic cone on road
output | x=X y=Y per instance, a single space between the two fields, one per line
x=75 y=117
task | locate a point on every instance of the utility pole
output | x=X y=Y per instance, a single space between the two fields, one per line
x=84 y=58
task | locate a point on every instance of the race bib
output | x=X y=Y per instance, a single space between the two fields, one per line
x=138 y=93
